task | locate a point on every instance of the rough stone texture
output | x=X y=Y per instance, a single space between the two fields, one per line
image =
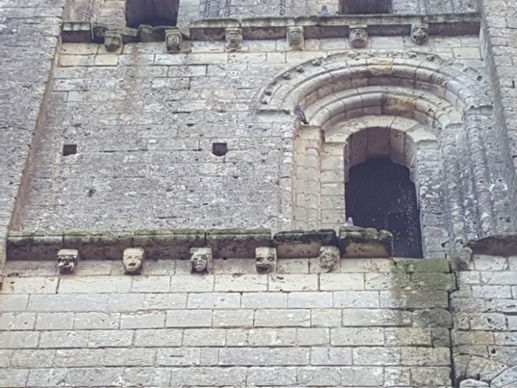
x=24 y=26
x=484 y=338
x=209 y=96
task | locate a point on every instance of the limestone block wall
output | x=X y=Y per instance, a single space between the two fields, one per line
x=485 y=323
x=372 y=323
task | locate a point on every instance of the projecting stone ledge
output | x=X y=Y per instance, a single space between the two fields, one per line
x=357 y=242
x=300 y=243
x=264 y=28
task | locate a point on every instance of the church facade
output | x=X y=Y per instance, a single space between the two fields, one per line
x=178 y=175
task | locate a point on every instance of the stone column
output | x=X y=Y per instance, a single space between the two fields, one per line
x=307 y=181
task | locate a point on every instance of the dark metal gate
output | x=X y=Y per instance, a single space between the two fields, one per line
x=379 y=194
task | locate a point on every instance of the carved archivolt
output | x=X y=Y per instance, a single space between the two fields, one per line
x=443 y=111
x=411 y=69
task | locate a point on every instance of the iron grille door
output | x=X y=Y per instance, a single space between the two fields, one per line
x=379 y=194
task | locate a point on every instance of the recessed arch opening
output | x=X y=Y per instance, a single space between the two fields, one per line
x=380 y=195
x=380 y=171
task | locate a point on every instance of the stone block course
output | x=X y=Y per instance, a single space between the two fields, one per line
x=110 y=338
x=282 y=318
x=65 y=358
x=64 y=339
x=17 y=321
x=189 y=318
x=158 y=338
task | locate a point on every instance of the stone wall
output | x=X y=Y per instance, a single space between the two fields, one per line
x=29 y=32
x=499 y=48
x=485 y=323
x=145 y=122
x=372 y=322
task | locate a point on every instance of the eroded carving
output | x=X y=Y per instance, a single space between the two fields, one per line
x=173 y=40
x=295 y=37
x=112 y=40
x=233 y=39
x=133 y=259
x=265 y=259
x=358 y=37
x=329 y=258
x=419 y=33
x=67 y=260
x=200 y=260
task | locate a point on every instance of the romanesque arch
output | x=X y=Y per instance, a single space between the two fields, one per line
x=443 y=112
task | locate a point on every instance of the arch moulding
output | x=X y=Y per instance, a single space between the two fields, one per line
x=430 y=114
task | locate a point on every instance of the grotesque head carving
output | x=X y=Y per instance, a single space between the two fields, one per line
x=112 y=40
x=295 y=37
x=265 y=259
x=233 y=39
x=329 y=258
x=67 y=260
x=419 y=33
x=200 y=259
x=133 y=260
x=358 y=37
x=173 y=40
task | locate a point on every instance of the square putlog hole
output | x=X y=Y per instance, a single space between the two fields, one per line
x=69 y=149
x=219 y=149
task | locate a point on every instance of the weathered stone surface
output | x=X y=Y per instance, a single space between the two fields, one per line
x=303 y=243
x=356 y=242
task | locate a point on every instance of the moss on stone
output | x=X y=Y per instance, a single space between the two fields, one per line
x=322 y=236
x=372 y=242
x=421 y=265
x=433 y=318
x=433 y=281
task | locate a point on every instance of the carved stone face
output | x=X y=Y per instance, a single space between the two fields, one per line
x=358 y=37
x=265 y=259
x=419 y=33
x=233 y=39
x=173 y=40
x=329 y=258
x=200 y=259
x=133 y=260
x=67 y=259
x=295 y=37
x=112 y=40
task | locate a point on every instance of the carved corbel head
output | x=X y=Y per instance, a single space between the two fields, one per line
x=295 y=37
x=358 y=36
x=200 y=260
x=173 y=40
x=329 y=258
x=419 y=33
x=112 y=40
x=67 y=260
x=265 y=259
x=133 y=260
x=233 y=39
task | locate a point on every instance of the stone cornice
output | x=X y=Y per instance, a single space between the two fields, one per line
x=262 y=28
x=176 y=244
